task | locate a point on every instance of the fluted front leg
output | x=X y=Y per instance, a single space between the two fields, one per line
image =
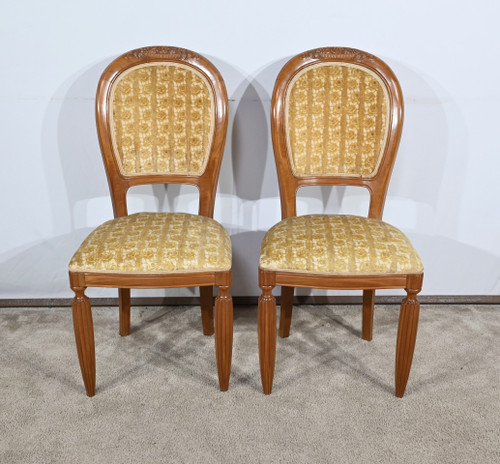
x=367 y=324
x=223 y=335
x=84 y=335
x=207 y=309
x=407 y=333
x=124 y=310
x=267 y=336
x=286 y=306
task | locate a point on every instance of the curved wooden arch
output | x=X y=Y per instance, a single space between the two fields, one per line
x=207 y=181
x=377 y=185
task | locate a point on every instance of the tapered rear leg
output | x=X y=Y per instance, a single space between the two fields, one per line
x=367 y=324
x=407 y=333
x=84 y=336
x=267 y=336
x=286 y=311
x=124 y=310
x=207 y=309
x=223 y=335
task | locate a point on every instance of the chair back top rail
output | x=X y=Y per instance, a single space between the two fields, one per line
x=336 y=119
x=162 y=118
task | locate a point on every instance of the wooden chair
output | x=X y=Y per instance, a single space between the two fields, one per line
x=161 y=118
x=337 y=115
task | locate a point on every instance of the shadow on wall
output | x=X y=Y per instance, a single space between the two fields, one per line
x=40 y=270
x=72 y=161
x=428 y=187
x=76 y=176
x=71 y=150
x=435 y=140
x=246 y=253
x=449 y=265
x=47 y=262
x=254 y=170
x=426 y=191
x=414 y=195
x=248 y=173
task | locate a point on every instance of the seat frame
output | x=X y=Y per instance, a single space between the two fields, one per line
x=377 y=187
x=119 y=185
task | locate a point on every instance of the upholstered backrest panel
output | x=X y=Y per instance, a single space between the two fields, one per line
x=162 y=120
x=336 y=120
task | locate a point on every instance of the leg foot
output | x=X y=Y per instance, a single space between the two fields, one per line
x=84 y=335
x=286 y=311
x=267 y=337
x=367 y=324
x=223 y=335
x=207 y=309
x=407 y=333
x=124 y=302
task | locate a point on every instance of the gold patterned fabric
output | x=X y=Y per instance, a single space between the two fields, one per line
x=338 y=244
x=162 y=120
x=155 y=243
x=336 y=121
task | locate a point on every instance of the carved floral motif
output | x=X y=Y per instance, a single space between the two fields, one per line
x=175 y=53
x=327 y=53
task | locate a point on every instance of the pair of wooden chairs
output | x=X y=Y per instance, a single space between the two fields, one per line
x=162 y=118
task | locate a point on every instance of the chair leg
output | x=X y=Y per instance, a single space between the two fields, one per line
x=84 y=335
x=407 y=333
x=286 y=311
x=267 y=336
x=223 y=335
x=207 y=309
x=124 y=309
x=367 y=324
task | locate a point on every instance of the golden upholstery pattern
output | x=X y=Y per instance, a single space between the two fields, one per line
x=336 y=121
x=155 y=243
x=338 y=244
x=162 y=120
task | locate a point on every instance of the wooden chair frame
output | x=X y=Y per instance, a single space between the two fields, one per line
x=377 y=187
x=119 y=185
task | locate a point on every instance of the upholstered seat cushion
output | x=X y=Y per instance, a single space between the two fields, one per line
x=338 y=244
x=155 y=243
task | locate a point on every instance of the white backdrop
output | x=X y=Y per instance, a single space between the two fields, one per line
x=444 y=192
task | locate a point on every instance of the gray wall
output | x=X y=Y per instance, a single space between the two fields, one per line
x=444 y=192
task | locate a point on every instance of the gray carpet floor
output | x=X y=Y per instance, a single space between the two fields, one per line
x=333 y=399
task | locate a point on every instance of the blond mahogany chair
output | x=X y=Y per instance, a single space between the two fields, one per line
x=161 y=118
x=337 y=116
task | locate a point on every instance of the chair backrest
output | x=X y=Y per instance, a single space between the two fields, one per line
x=336 y=119
x=162 y=118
